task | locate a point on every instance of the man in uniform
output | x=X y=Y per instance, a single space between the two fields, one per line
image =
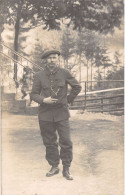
x=50 y=91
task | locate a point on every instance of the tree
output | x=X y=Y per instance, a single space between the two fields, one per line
x=67 y=47
x=37 y=54
x=98 y=15
x=99 y=57
x=117 y=61
x=87 y=42
x=106 y=62
x=80 y=50
x=116 y=75
x=17 y=13
x=101 y=60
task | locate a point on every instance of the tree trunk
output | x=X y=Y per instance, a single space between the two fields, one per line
x=80 y=68
x=87 y=74
x=16 y=47
x=91 y=75
x=16 y=37
x=104 y=73
x=98 y=73
x=104 y=78
x=67 y=65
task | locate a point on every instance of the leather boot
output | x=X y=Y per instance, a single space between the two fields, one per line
x=54 y=170
x=66 y=173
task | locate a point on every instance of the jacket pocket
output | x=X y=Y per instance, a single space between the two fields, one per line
x=45 y=87
x=46 y=90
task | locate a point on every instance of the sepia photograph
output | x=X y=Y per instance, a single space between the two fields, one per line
x=62 y=97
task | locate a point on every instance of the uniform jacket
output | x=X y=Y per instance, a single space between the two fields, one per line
x=54 y=84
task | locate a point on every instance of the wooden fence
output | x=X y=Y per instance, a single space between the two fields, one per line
x=100 y=101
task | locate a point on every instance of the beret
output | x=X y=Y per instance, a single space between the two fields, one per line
x=47 y=53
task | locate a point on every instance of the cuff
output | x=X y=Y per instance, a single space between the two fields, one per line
x=69 y=99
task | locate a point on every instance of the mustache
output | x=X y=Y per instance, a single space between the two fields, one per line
x=51 y=63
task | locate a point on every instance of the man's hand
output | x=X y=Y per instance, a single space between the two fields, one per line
x=49 y=100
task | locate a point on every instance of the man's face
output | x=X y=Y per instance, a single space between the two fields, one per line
x=52 y=60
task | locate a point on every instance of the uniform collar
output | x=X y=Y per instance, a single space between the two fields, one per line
x=48 y=72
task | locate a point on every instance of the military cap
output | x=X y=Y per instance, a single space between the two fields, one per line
x=47 y=53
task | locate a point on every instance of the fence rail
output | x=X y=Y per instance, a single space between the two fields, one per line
x=18 y=66
x=19 y=55
x=100 y=98
x=86 y=101
x=16 y=61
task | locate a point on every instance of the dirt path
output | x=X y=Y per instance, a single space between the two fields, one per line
x=98 y=157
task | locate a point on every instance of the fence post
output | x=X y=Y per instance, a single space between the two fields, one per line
x=85 y=94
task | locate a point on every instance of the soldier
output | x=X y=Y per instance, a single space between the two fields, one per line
x=50 y=91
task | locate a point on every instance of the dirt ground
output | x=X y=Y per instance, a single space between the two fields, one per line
x=97 y=166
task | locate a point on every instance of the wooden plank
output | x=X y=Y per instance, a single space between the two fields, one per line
x=92 y=107
x=96 y=105
x=107 y=97
x=101 y=91
x=77 y=107
x=120 y=109
x=83 y=108
x=102 y=81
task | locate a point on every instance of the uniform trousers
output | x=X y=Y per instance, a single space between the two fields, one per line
x=49 y=131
